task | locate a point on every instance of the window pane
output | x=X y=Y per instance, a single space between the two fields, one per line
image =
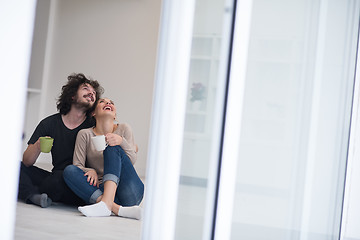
x=296 y=118
x=203 y=118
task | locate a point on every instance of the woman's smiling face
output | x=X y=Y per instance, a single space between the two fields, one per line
x=105 y=107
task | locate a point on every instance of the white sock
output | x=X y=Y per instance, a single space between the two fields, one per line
x=130 y=212
x=96 y=210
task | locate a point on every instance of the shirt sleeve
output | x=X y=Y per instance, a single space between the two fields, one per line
x=40 y=131
x=128 y=143
x=79 y=158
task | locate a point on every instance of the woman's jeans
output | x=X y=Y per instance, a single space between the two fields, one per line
x=117 y=168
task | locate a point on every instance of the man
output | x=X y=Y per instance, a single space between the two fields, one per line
x=75 y=104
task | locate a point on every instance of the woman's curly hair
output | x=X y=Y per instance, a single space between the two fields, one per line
x=69 y=91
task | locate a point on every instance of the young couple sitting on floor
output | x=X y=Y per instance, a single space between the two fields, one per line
x=105 y=181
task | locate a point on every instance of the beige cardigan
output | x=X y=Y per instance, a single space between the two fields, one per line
x=86 y=157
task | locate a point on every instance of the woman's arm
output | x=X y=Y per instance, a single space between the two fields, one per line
x=128 y=143
x=124 y=137
x=79 y=157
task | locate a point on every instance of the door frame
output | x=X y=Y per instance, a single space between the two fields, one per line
x=351 y=208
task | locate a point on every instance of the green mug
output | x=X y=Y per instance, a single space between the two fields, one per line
x=46 y=144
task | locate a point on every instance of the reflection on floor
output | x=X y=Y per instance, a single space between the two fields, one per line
x=65 y=222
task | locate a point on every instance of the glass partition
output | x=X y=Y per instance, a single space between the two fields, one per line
x=264 y=100
x=203 y=119
x=295 y=120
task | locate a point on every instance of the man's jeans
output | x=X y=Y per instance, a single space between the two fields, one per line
x=117 y=168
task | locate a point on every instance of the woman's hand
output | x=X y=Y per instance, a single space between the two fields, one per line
x=92 y=177
x=113 y=139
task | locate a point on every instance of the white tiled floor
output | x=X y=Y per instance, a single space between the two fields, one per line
x=66 y=222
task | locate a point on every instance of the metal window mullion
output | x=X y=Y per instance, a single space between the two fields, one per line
x=233 y=117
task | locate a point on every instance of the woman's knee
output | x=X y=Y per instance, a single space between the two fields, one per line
x=114 y=154
x=69 y=171
x=113 y=149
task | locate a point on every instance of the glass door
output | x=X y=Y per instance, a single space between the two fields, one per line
x=251 y=119
x=290 y=148
x=187 y=119
x=201 y=145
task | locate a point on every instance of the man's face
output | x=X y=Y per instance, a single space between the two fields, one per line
x=85 y=96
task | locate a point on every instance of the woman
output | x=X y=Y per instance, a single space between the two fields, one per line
x=106 y=179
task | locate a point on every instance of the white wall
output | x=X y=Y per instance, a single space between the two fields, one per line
x=114 y=42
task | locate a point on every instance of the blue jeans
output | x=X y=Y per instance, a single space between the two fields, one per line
x=117 y=168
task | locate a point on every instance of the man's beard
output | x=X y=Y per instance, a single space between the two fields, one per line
x=84 y=105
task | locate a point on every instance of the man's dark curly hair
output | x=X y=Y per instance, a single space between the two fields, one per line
x=69 y=91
